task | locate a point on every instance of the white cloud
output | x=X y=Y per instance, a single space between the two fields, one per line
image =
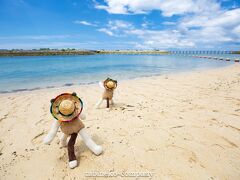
x=213 y=29
x=203 y=23
x=86 y=23
x=169 y=23
x=145 y=23
x=113 y=9
x=108 y=32
x=119 y=24
x=167 y=7
x=149 y=38
x=219 y=18
x=197 y=31
x=170 y=8
x=114 y=28
x=236 y=30
x=161 y=39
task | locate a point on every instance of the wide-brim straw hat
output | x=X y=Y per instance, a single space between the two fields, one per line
x=66 y=107
x=110 y=84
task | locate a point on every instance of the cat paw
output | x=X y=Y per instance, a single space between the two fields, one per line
x=97 y=150
x=73 y=164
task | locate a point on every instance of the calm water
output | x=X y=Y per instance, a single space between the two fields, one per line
x=46 y=71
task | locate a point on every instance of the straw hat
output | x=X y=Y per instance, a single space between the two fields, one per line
x=110 y=84
x=66 y=107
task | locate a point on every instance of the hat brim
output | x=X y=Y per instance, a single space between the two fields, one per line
x=66 y=96
x=106 y=81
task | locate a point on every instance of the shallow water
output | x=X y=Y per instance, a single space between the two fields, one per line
x=26 y=73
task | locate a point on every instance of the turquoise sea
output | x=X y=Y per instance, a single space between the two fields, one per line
x=29 y=73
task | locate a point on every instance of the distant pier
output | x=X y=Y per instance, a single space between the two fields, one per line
x=207 y=55
x=201 y=52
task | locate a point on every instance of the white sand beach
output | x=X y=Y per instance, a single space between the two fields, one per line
x=178 y=126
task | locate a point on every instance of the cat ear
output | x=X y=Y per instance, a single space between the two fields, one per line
x=74 y=94
x=52 y=100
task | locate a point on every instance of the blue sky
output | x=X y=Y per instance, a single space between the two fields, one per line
x=120 y=24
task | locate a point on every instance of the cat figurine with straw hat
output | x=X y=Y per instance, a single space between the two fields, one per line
x=109 y=85
x=67 y=110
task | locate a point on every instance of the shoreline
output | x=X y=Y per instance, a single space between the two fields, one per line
x=182 y=126
x=96 y=82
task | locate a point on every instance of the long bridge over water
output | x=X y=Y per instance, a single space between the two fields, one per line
x=201 y=52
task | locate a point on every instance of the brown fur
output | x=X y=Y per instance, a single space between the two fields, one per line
x=107 y=94
x=107 y=103
x=71 y=127
x=71 y=142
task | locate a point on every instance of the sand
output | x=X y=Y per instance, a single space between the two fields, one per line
x=178 y=126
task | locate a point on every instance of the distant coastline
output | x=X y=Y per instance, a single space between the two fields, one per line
x=55 y=52
x=45 y=52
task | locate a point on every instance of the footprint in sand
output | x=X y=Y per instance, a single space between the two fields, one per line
x=187 y=154
x=5 y=116
x=233 y=145
x=11 y=98
x=233 y=127
x=234 y=114
x=37 y=139
x=193 y=158
x=218 y=145
x=39 y=122
x=27 y=107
